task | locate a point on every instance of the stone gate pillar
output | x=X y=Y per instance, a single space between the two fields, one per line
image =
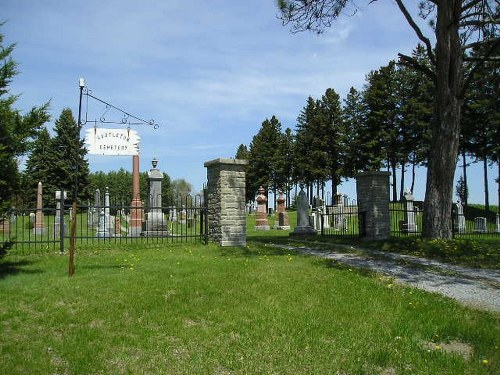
x=226 y=201
x=372 y=190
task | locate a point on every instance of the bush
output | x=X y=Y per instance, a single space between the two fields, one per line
x=4 y=247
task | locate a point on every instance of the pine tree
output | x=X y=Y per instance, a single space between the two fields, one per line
x=333 y=133
x=39 y=168
x=383 y=135
x=242 y=152
x=263 y=158
x=71 y=168
x=17 y=131
x=354 y=113
x=481 y=119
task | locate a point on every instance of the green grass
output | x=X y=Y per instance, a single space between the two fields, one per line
x=192 y=309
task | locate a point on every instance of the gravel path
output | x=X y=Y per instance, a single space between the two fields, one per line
x=479 y=288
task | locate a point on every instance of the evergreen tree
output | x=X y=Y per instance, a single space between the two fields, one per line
x=354 y=113
x=305 y=171
x=384 y=136
x=242 y=152
x=263 y=158
x=416 y=94
x=17 y=131
x=39 y=168
x=71 y=169
x=481 y=119
x=332 y=131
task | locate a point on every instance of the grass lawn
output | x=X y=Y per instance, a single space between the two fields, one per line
x=194 y=309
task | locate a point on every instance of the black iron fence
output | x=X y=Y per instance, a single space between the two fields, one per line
x=49 y=228
x=406 y=220
x=342 y=221
x=466 y=221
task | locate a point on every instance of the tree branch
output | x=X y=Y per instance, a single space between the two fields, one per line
x=417 y=30
x=414 y=63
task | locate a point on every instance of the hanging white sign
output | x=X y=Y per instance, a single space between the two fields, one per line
x=115 y=142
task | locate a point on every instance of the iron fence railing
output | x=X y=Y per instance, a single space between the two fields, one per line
x=342 y=221
x=49 y=228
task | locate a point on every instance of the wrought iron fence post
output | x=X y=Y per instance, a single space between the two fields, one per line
x=204 y=215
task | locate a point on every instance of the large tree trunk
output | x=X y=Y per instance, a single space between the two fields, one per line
x=394 y=182
x=402 y=183
x=486 y=189
x=446 y=123
x=464 y=166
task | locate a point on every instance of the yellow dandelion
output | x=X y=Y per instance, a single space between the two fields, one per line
x=485 y=362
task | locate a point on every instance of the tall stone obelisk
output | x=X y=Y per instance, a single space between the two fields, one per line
x=39 y=224
x=136 y=206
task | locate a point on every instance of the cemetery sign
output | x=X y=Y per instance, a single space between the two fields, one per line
x=116 y=142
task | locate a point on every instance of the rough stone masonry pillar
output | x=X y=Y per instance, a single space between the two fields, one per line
x=226 y=201
x=373 y=203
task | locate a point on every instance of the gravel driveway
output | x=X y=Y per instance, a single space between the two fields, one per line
x=479 y=288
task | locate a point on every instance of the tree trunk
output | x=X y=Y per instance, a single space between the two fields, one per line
x=486 y=190
x=464 y=166
x=402 y=184
x=412 y=177
x=394 y=183
x=446 y=123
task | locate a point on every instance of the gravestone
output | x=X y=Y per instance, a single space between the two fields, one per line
x=480 y=225
x=373 y=204
x=59 y=223
x=39 y=221
x=303 y=226
x=261 y=223
x=497 y=221
x=108 y=218
x=339 y=220
x=410 y=224
x=172 y=214
x=94 y=211
x=283 y=223
x=103 y=226
x=459 y=221
x=4 y=225
x=156 y=225
x=183 y=215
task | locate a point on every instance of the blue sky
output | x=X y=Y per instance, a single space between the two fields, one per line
x=208 y=72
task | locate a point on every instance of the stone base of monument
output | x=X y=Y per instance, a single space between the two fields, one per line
x=39 y=231
x=304 y=231
x=156 y=231
x=282 y=227
x=135 y=232
x=262 y=224
x=262 y=227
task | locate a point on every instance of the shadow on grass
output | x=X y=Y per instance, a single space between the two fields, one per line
x=14 y=268
x=102 y=266
x=334 y=264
